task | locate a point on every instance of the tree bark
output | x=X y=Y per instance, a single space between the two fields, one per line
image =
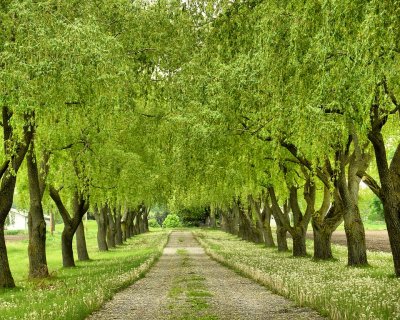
x=135 y=223
x=213 y=221
x=269 y=240
x=388 y=192
x=14 y=153
x=281 y=237
x=245 y=231
x=263 y=221
x=118 y=228
x=140 y=221
x=299 y=243
x=124 y=226
x=110 y=230
x=129 y=224
x=66 y=247
x=322 y=243
x=6 y=278
x=52 y=223
x=229 y=221
x=83 y=254
x=281 y=230
x=36 y=223
x=300 y=220
x=145 y=219
x=101 y=220
x=80 y=207
x=324 y=222
x=348 y=190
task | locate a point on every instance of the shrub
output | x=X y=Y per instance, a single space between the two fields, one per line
x=376 y=209
x=194 y=217
x=172 y=221
x=153 y=223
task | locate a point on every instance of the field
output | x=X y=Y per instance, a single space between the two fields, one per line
x=330 y=287
x=73 y=293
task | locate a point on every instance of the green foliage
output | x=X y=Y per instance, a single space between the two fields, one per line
x=14 y=232
x=153 y=223
x=159 y=214
x=376 y=209
x=172 y=221
x=193 y=217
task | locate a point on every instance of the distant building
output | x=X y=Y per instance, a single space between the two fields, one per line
x=18 y=220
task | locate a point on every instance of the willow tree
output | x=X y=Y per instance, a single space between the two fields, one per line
x=17 y=131
x=355 y=82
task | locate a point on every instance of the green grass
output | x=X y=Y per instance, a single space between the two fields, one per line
x=73 y=293
x=15 y=232
x=188 y=294
x=330 y=287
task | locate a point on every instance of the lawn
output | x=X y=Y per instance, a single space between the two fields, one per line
x=330 y=287
x=73 y=293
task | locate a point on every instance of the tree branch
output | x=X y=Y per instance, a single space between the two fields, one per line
x=54 y=194
x=371 y=183
x=4 y=167
x=391 y=95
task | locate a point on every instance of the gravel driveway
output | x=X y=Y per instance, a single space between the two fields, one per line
x=187 y=284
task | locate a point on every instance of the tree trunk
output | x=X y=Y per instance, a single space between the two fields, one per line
x=392 y=214
x=6 y=279
x=213 y=221
x=299 y=243
x=244 y=225
x=66 y=247
x=145 y=220
x=281 y=237
x=36 y=223
x=355 y=235
x=83 y=254
x=224 y=221
x=228 y=221
x=324 y=222
x=123 y=227
x=52 y=223
x=135 y=224
x=8 y=177
x=353 y=225
x=111 y=230
x=140 y=222
x=101 y=219
x=389 y=192
x=118 y=228
x=80 y=207
x=322 y=242
x=37 y=248
x=263 y=220
x=129 y=224
x=268 y=239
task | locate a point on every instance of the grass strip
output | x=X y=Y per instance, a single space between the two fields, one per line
x=74 y=293
x=330 y=287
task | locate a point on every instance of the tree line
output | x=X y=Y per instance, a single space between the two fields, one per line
x=253 y=108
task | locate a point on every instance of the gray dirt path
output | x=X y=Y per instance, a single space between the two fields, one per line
x=187 y=284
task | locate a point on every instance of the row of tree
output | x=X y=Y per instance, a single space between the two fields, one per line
x=289 y=106
x=77 y=84
x=279 y=106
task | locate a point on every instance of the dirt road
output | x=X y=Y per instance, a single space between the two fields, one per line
x=187 y=284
